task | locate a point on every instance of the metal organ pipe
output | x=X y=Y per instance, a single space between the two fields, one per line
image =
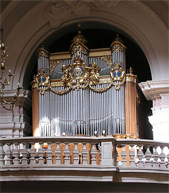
x=81 y=112
x=44 y=116
x=118 y=56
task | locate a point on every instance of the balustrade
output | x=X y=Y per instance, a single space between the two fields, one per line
x=83 y=151
x=139 y=153
x=50 y=151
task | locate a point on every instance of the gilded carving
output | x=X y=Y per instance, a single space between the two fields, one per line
x=42 y=52
x=41 y=81
x=131 y=77
x=107 y=59
x=79 y=76
x=94 y=74
x=60 y=92
x=118 y=76
x=100 y=90
x=117 y=45
x=53 y=64
x=78 y=46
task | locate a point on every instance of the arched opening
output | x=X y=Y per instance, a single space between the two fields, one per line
x=101 y=35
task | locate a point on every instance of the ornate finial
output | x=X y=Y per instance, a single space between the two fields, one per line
x=44 y=46
x=79 y=26
x=118 y=38
x=117 y=45
x=130 y=77
x=79 y=41
x=43 y=51
x=131 y=70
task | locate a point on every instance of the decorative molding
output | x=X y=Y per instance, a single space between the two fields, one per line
x=53 y=64
x=58 y=11
x=107 y=59
x=101 y=52
x=43 y=53
x=154 y=89
x=78 y=75
x=131 y=77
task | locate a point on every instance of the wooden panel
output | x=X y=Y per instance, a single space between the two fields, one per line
x=35 y=112
x=130 y=105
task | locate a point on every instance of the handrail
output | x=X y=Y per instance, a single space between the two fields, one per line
x=83 y=139
x=141 y=141
x=59 y=139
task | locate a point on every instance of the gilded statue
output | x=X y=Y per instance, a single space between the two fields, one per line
x=94 y=74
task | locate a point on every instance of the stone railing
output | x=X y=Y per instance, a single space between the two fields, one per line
x=142 y=154
x=54 y=151
x=97 y=154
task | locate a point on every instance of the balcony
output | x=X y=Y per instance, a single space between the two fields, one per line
x=84 y=159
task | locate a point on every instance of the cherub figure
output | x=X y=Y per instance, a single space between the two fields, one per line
x=94 y=73
x=65 y=77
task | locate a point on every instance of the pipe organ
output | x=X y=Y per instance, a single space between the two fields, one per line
x=82 y=92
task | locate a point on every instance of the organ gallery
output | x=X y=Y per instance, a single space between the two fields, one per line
x=85 y=92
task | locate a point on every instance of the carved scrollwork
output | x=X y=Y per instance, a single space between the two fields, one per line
x=107 y=59
x=78 y=46
x=118 y=76
x=41 y=82
x=60 y=92
x=76 y=75
x=117 y=45
x=100 y=90
x=42 y=52
x=79 y=76
x=81 y=48
x=53 y=64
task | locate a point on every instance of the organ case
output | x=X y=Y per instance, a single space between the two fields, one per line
x=82 y=92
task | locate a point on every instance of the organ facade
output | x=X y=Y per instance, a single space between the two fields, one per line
x=85 y=92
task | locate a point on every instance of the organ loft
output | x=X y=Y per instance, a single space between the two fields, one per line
x=85 y=92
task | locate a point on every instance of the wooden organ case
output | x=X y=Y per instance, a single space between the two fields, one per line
x=85 y=92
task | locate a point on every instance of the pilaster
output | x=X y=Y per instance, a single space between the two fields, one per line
x=158 y=92
x=16 y=123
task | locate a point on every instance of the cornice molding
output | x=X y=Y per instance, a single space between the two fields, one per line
x=24 y=97
x=154 y=89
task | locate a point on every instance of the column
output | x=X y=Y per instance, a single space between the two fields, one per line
x=131 y=106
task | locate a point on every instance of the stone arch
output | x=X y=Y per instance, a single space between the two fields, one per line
x=34 y=27
x=66 y=30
